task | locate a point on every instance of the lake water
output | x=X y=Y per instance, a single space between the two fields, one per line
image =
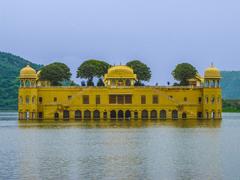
x=190 y=149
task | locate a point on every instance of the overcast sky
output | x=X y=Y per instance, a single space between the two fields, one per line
x=160 y=33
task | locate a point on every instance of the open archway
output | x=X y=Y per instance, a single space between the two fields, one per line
x=153 y=114
x=78 y=115
x=87 y=115
x=163 y=114
x=56 y=116
x=96 y=115
x=128 y=115
x=66 y=114
x=184 y=115
x=113 y=114
x=174 y=114
x=144 y=114
x=120 y=115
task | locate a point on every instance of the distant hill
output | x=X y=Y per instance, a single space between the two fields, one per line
x=230 y=84
x=10 y=65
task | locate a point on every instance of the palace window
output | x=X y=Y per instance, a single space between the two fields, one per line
x=40 y=115
x=69 y=98
x=112 y=99
x=206 y=100
x=55 y=99
x=27 y=100
x=155 y=99
x=40 y=100
x=143 y=99
x=185 y=99
x=128 y=99
x=20 y=100
x=33 y=99
x=199 y=100
x=98 y=99
x=120 y=99
x=213 y=100
x=85 y=99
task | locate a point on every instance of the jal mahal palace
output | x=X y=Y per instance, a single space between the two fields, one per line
x=119 y=99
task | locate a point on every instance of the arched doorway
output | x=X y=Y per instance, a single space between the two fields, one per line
x=153 y=114
x=163 y=114
x=128 y=115
x=135 y=115
x=56 y=116
x=174 y=114
x=105 y=115
x=113 y=114
x=144 y=114
x=213 y=115
x=96 y=115
x=78 y=115
x=66 y=114
x=87 y=115
x=120 y=115
x=184 y=115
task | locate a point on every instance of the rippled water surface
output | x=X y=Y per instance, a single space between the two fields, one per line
x=189 y=149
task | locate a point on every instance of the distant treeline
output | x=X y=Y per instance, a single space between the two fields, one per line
x=231 y=105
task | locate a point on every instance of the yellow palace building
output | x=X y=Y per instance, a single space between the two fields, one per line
x=119 y=98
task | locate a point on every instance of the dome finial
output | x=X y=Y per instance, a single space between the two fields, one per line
x=212 y=65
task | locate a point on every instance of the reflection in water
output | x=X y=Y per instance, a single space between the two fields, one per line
x=122 y=123
x=142 y=149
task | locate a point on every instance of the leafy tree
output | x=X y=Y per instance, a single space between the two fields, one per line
x=90 y=82
x=183 y=72
x=100 y=82
x=55 y=73
x=92 y=68
x=83 y=83
x=142 y=71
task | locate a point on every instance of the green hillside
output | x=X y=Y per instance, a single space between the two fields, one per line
x=10 y=66
x=231 y=84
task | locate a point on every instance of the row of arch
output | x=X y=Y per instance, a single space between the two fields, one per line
x=28 y=99
x=120 y=115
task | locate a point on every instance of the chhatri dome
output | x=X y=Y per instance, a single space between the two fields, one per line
x=212 y=72
x=28 y=73
x=120 y=75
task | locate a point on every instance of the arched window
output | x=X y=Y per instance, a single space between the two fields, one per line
x=120 y=114
x=113 y=114
x=78 y=114
x=199 y=115
x=144 y=114
x=20 y=100
x=174 y=114
x=163 y=114
x=96 y=115
x=21 y=83
x=27 y=83
x=135 y=115
x=56 y=116
x=184 y=115
x=128 y=82
x=153 y=114
x=27 y=100
x=105 y=115
x=32 y=83
x=33 y=99
x=128 y=115
x=87 y=115
x=66 y=114
x=213 y=115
